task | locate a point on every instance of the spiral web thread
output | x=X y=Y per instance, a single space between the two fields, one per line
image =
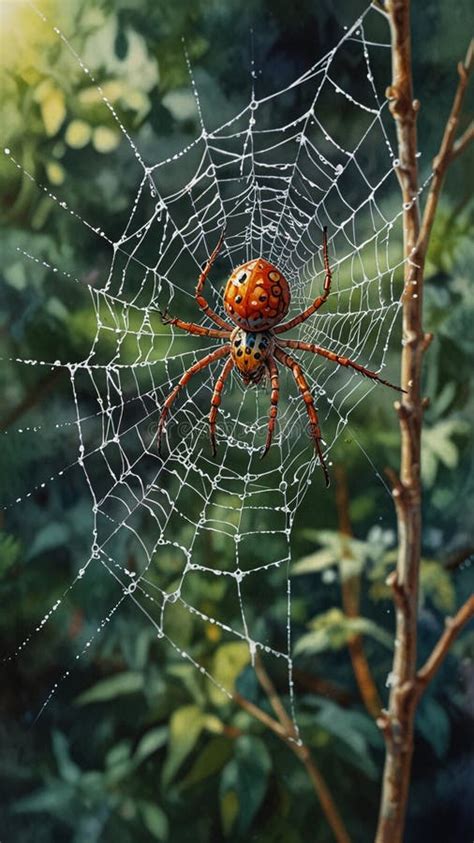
x=274 y=183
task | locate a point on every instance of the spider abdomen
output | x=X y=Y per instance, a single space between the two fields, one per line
x=249 y=351
x=257 y=295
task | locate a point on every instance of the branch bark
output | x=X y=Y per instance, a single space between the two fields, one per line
x=397 y=723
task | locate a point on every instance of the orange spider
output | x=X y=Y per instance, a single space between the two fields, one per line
x=256 y=299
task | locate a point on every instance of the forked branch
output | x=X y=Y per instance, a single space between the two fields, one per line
x=453 y=627
x=283 y=727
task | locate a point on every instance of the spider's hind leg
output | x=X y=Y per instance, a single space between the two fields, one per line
x=216 y=400
x=275 y=382
x=310 y=408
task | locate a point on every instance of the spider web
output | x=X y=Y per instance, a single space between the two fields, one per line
x=274 y=175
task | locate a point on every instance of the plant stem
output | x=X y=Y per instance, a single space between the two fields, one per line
x=453 y=628
x=350 y=589
x=284 y=728
x=398 y=722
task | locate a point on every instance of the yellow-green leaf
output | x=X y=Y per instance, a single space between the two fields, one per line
x=105 y=139
x=55 y=172
x=229 y=661
x=78 y=134
x=229 y=810
x=53 y=111
x=186 y=725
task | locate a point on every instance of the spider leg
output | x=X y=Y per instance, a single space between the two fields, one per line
x=192 y=328
x=185 y=378
x=319 y=301
x=275 y=381
x=203 y=304
x=308 y=399
x=216 y=400
x=337 y=358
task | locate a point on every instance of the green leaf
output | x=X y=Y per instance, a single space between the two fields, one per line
x=9 y=552
x=333 y=629
x=229 y=661
x=154 y=819
x=128 y=682
x=149 y=743
x=437 y=447
x=186 y=725
x=229 y=810
x=215 y=754
x=54 y=535
x=49 y=799
x=118 y=754
x=68 y=770
x=349 y=553
x=436 y=583
x=433 y=723
x=352 y=729
x=317 y=561
x=245 y=776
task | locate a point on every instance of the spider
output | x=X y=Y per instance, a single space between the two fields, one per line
x=256 y=299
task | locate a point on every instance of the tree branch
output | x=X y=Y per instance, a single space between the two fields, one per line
x=440 y=651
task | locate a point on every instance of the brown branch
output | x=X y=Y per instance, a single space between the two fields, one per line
x=35 y=396
x=273 y=698
x=285 y=729
x=262 y=716
x=463 y=142
x=459 y=556
x=397 y=722
x=322 y=687
x=448 y=150
x=440 y=651
x=350 y=590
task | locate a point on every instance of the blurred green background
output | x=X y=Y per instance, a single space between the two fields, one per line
x=136 y=745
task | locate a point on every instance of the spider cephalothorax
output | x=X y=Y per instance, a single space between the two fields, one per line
x=257 y=298
x=250 y=352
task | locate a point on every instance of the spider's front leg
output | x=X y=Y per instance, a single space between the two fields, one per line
x=185 y=378
x=308 y=399
x=192 y=328
x=319 y=301
x=203 y=304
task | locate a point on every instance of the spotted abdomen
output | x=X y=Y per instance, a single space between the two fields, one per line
x=257 y=296
x=250 y=350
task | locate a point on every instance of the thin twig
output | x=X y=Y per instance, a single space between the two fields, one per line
x=35 y=396
x=463 y=142
x=453 y=627
x=285 y=729
x=350 y=590
x=449 y=149
x=261 y=715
